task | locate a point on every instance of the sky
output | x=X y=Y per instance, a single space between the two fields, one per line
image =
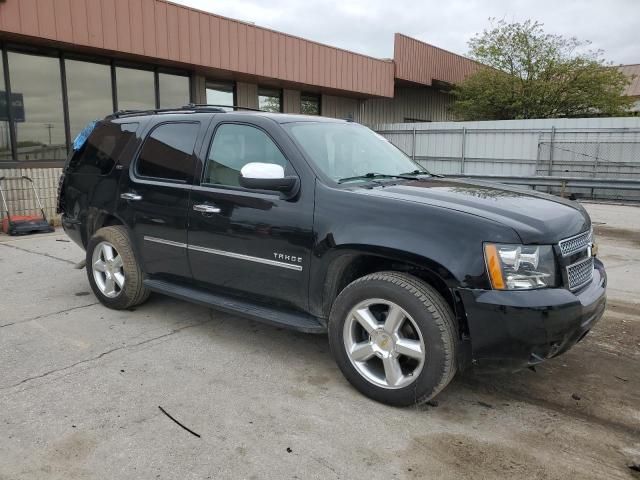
x=367 y=26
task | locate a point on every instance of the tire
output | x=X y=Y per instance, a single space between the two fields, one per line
x=132 y=291
x=426 y=323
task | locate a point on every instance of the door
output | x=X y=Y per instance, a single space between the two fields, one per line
x=250 y=242
x=154 y=198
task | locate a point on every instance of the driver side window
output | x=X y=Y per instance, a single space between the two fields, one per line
x=234 y=146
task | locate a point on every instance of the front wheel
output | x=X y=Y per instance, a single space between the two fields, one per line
x=114 y=273
x=394 y=338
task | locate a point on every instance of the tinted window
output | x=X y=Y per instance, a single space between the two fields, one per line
x=100 y=152
x=136 y=89
x=310 y=104
x=220 y=94
x=89 y=91
x=168 y=152
x=174 y=90
x=270 y=100
x=40 y=130
x=5 y=144
x=233 y=147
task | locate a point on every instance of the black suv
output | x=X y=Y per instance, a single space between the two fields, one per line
x=322 y=225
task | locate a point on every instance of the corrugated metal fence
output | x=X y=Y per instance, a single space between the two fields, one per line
x=595 y=148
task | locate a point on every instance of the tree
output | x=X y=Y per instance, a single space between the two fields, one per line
x=532 y=74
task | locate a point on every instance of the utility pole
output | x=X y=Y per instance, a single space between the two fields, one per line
x=49 y=127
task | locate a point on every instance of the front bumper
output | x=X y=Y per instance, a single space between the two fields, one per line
x=510 y=330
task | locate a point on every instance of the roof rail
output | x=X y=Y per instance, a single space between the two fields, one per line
x=150 y=111
x=205 y=106
x=196 y=107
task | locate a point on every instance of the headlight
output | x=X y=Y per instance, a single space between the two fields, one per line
x=520 y=267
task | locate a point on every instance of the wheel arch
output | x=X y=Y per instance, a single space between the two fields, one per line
x=97 y=219
x=354 y=261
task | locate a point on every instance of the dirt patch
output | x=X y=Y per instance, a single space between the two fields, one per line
x=461 y=456
x=318 y=380
x=601 y=371
x=624 y=308
x=630 y=236
x=65 y=458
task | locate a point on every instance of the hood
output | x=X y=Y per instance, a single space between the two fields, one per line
x=536 y=217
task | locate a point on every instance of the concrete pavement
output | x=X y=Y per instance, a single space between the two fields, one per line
x=80 y=387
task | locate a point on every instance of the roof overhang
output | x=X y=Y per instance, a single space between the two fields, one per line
x=423 y=64
x=164 y=33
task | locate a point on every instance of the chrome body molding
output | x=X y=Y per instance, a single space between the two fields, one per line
x=165 y=242
x=223 y=253
x=248 y=258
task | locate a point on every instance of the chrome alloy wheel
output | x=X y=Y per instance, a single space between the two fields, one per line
x=108 y=269
x=384 y=343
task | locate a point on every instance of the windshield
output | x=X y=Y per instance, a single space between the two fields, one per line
x=350 y=152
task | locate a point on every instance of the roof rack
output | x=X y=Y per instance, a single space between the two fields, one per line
x=204 y=106
x=196 y=107
x=150 y=111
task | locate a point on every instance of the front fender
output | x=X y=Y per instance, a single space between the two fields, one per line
x=443 y=241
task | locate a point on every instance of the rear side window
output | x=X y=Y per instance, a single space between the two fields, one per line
x=100 y=152
x=167 y=152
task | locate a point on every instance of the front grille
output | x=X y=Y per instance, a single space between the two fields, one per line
x=571 y=245
x=580 y=273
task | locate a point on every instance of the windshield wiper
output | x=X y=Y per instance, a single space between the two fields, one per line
x=372 y=175
x=423 y=172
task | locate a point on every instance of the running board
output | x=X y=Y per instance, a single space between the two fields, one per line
x=261 y=313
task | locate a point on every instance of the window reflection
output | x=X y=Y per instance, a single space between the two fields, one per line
x=310 y=104
x=168 y=152
x=233 y=147
x=36 y=103
x=89 y=92
x=174 y=90
x=220 y=94
x=5 y=136
x=270 y=100
x=136 y=90
x=40 y=131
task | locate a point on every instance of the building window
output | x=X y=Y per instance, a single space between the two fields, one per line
x=174 y=90
x=220 y=94
x=39 y=126
x=89 y=93
x=168 y=152
x=270 y=99
x=310 y=104
x=5 y=135
x=33 y=126
x=136 y=89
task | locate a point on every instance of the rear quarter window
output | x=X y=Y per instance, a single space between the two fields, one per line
x=100 y=152
x=167 y=153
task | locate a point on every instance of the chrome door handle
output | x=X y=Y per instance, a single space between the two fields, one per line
x=204 y=208
x=130 y=196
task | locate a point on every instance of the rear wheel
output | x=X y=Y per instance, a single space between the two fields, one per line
x=113 y=270
x=394 y=338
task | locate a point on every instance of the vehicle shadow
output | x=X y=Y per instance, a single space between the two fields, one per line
x=588 y=382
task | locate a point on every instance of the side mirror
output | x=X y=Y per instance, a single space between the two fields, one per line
x=266 y=176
